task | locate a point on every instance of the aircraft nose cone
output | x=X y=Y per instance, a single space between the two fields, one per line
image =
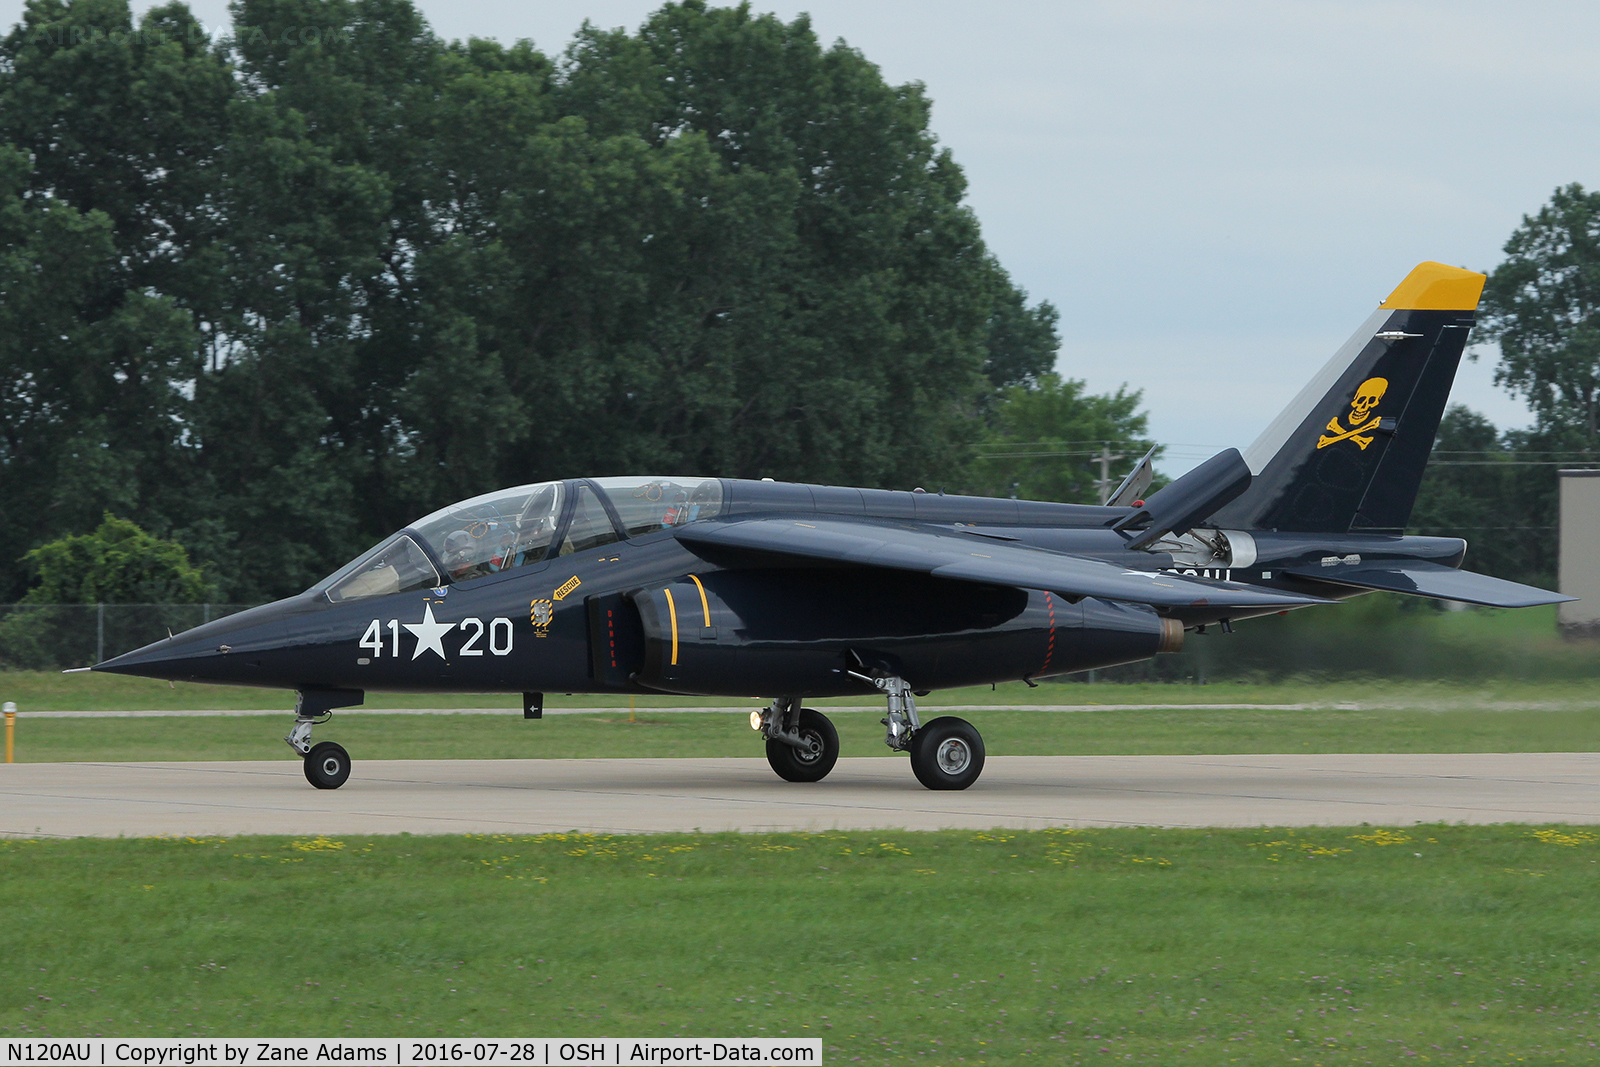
x=233 y=649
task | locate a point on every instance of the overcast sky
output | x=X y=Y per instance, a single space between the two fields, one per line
x=1213 y=194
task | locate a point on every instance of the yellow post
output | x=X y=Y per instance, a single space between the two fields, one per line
x=11 y=730
x=630 y=712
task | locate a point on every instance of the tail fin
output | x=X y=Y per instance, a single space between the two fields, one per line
x=1347 y=454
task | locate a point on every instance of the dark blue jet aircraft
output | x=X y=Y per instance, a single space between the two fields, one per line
x=726 y=587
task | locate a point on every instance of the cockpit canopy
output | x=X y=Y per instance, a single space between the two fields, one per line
x=513 y=528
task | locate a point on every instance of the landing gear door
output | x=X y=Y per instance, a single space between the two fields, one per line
x=616 y=640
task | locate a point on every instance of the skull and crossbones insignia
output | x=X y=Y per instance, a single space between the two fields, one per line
x=1362 y=419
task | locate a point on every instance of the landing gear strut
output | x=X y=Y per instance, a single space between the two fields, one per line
x=802 y=745
x=327 y=765
x=946 y=753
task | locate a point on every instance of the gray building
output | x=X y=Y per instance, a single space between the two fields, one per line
x=1579 y=564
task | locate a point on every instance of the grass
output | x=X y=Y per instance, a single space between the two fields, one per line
x=1328 y=946
x=1006 y=733
x=53 y=691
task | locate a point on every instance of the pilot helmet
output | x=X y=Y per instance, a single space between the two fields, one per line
x=457 y=546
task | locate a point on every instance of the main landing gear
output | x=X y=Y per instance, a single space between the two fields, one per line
x=327 y=765
x=946 y=753
x=803 y=746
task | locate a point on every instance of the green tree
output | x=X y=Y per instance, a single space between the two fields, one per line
x=106 y=183
x=1021 y=341
x=61 y=621
x=116 y=563
x=88 y=371
x=1472 y=489
x=275 y=296
x=1542 y=305
x=1047 y=437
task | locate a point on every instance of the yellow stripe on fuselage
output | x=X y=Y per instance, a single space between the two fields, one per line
x=672 y=609
x=704 y=605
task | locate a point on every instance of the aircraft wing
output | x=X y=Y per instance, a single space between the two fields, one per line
x=944 y=554
x=1423 y=578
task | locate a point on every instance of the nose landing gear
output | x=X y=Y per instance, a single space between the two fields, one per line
x=327 y=765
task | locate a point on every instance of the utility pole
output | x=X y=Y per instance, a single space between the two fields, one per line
x=1106 y=459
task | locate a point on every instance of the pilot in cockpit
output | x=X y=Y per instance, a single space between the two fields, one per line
x=705 y=494
x=462 y=558
x=677 y=511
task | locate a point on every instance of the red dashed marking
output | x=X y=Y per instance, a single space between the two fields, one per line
x=1050 y=646
x=611 y=632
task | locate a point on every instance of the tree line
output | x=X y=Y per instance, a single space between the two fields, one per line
x=274 y=295
x=1541 y=307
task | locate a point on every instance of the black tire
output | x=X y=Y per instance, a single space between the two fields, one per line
x=947 y=753
x=795 y=765
x=327 y=765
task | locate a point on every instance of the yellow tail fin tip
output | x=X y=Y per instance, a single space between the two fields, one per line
x=1437 y=287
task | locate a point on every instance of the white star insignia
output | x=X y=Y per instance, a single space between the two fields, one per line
x=429 y=634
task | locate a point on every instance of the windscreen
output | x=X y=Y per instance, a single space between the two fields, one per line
x=397 y=565
x=648 y=504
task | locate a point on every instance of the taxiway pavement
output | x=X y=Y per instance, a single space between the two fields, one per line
x=654 y=795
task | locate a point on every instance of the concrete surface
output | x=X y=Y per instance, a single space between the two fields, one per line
x=642 y=795
x=741 y=710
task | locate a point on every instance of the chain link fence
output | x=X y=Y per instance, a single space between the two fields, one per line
x=59 y=636
x=1375 y=637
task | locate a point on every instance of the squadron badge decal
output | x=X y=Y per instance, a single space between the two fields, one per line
x=1362 y=420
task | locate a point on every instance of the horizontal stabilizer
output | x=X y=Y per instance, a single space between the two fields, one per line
x=943 y=554
x=1189 y=499
x=1421 y=578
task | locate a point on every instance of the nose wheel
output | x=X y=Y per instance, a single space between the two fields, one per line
x=327 y=765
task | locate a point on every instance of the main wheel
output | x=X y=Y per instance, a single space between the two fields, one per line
x=947 y=753
x=806 y=765
x=327 y=765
